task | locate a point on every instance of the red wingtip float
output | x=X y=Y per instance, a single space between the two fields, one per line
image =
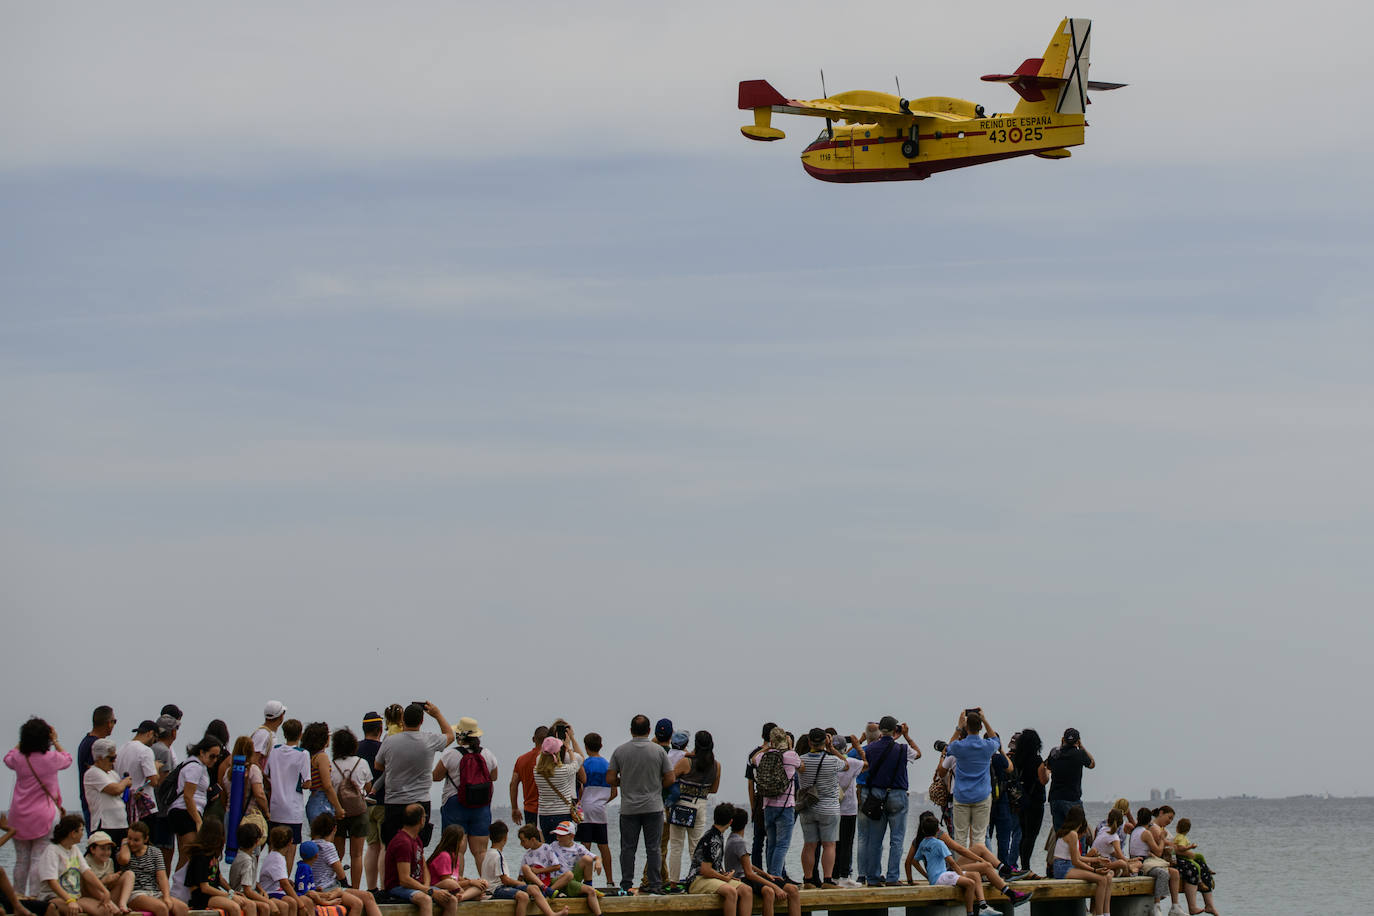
x=881 y=137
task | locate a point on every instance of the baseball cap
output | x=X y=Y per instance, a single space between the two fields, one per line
x=1071 y=734
x=565 y=828
x=147 y=725
x=680 y=739
x=663 y=729
x=102 y=748
x=273 y=709
x=309 y=849
x=888 y=723
x=166 y=724
x=551 y=745
x=99 y=838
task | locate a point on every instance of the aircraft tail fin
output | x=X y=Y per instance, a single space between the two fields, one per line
x=1058 y=81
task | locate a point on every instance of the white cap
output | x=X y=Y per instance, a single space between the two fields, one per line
x=273 y=709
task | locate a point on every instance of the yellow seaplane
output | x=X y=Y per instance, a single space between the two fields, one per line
x=882 y=137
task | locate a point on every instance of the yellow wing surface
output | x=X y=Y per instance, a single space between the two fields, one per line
x=860 y=106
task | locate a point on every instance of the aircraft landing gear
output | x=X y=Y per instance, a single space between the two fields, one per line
x=909 y=144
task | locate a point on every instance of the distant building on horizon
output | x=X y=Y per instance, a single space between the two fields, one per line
x=1156 y=795
x=1170 y=795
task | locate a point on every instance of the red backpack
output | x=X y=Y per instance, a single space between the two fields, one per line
x=474 y=780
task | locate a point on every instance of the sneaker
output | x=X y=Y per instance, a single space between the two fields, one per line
x=1018 y=897
x=1004 y=870
x=1176 y=910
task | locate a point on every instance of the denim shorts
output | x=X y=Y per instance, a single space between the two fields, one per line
x=1060 y=868
x=505 y=892
x=819 y=828
x=474 y=821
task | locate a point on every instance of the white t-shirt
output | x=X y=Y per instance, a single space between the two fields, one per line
x=492 y=868
x=262 y=740
x=340 y=767
x=64 y=865
x=107 y=811
x=194 y=773
x=452 y=760
x=136 y=761
x=273 y=873
x=849 y=799
x=286 y=767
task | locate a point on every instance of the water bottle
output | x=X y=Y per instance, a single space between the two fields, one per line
x=127 y=792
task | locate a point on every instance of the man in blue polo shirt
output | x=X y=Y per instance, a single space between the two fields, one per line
x=972 y=756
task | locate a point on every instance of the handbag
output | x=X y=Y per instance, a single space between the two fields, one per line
x=140 y=807
x=938 y=793
x=574 y=809
x=683 y=816
x=808 y=797
x=61 y=811
x=873 y=807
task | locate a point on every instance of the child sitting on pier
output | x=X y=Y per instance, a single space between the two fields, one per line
x=1107 y=846
x=937 y=865
x=446 y=866
x=543 y=864
x=328 y=872
x=739 y=862
x=503 y=887
x=1192 y=870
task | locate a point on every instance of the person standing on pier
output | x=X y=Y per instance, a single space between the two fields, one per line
x=1064 y=767
x=102 y=726
x=640 y=769
x=972 y=754
x=407 y=761
x=886 y=778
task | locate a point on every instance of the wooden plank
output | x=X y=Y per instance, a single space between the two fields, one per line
x=861 y=898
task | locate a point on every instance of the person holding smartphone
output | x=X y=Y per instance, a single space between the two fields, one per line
x=1064 y=770
x=972 y=754
x=407 y=759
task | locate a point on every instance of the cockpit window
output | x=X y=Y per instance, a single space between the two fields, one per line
x=823 y=135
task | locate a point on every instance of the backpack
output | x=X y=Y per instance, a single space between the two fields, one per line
x=770 y=776
x=474 y=780
x=350 y=796
x=166 y=791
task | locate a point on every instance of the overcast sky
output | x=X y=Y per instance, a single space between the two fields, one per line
x=468 y=352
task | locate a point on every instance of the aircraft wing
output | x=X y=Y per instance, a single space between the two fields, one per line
x=855 y=107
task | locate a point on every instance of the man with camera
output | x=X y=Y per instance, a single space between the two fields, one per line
x=972 y=755
x=883 y=801
x=407 y=759
x=1064 y=768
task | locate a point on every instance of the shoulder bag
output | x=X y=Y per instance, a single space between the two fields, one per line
x=61 y=811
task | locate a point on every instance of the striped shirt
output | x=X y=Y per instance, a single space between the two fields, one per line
x=564 y=780
x=145 y=869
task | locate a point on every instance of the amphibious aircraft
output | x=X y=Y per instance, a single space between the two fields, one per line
x=882 y=137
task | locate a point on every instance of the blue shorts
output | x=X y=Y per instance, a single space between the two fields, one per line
x=1060 y=868
x=402 y=895
x=295 y=830
x=474 y=821
x=505 y=893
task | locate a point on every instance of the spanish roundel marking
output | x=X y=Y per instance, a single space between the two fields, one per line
x=1014 y=135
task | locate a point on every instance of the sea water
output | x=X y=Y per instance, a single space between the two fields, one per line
x=1272 y=856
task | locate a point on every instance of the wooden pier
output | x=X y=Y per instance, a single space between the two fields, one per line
x=1130 y=897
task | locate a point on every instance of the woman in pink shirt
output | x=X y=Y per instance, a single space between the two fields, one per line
x=36 y=761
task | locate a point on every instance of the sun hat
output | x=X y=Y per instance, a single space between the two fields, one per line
x=467 y=726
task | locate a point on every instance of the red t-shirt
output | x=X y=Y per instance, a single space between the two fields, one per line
x=524 y=768
x=402 y=848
